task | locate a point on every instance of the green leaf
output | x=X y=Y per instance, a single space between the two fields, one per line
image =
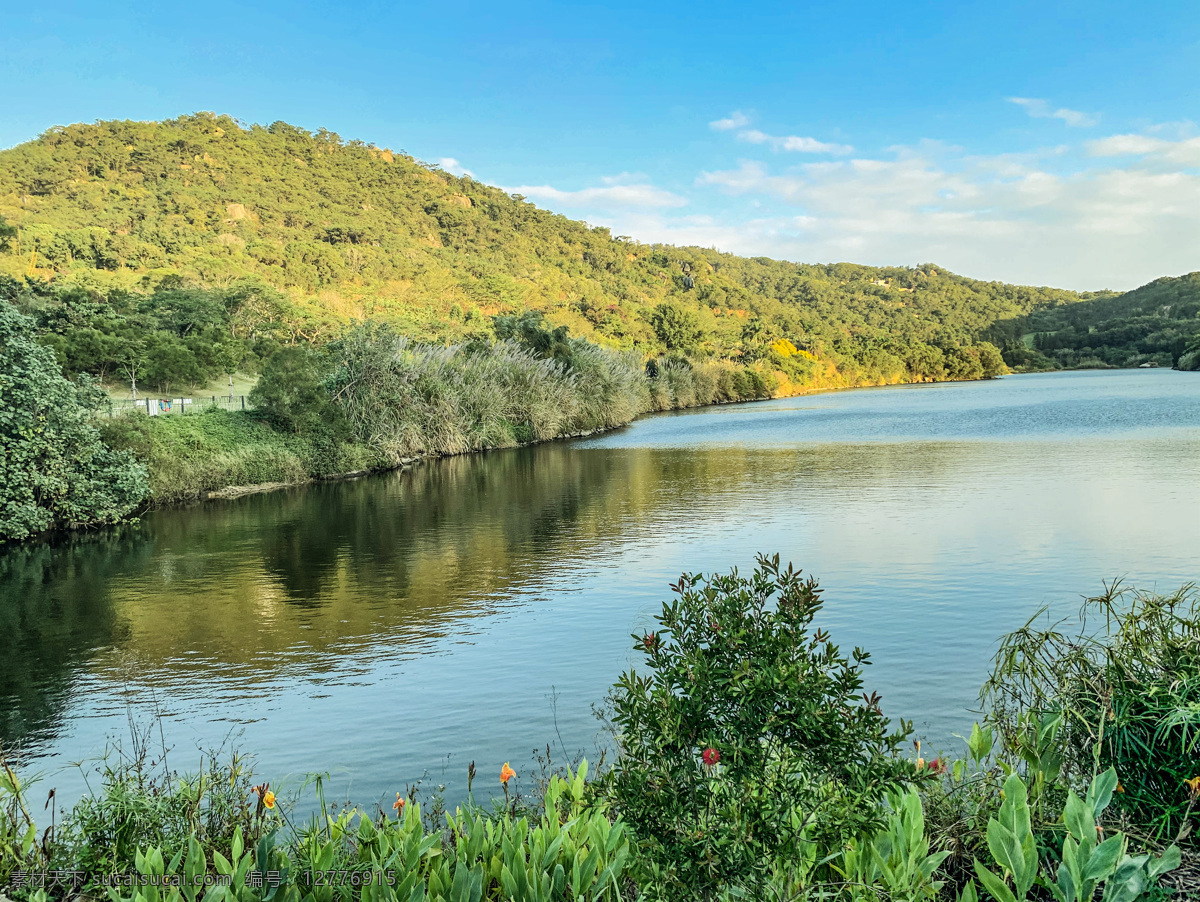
x=1014 y=813
x=1005 y=848
x=1127 y=884
x=1103 y=860
x=262 y=856
x=508 y=883
x=1168 y=861
x=1100 y=793
x=993 y=884
x=1066 y=888
x=931 y=864
x=1080 y=820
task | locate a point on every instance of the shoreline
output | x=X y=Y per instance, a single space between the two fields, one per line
x=232 y=493
x=235 y=492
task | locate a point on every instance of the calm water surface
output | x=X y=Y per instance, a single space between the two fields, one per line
x=476 y=607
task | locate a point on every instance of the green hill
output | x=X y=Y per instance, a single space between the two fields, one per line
x=1156 y=323
x=341 y=229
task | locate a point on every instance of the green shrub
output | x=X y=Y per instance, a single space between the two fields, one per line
x=291 y=391
x=1088 y=858
x=56 y=470
x=139 y=806
x=676 y=326
x=747 y=742
x=1123 y=685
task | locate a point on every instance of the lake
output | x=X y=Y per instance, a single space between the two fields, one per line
x=476 y=608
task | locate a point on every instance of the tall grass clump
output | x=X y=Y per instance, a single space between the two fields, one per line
x=610 y=387
x=1117 y=687
x=402 y=398
x=677 y=382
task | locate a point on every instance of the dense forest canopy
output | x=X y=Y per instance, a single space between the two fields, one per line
x=321 y=230
x=1157 y=323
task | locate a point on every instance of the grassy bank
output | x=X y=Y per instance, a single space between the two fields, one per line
x=375 y=400
x=752 y=764
x=188 y=457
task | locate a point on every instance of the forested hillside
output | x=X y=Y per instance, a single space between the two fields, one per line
x=292 y=234
x=1158 y=323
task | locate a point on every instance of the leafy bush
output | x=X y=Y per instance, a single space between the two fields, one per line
x=677 y=327
x=1087 y=859
x=1123 y=688
x=747 y=742
x=529 y=330
x=56 y=469
x=291 y=392
x=140 y=806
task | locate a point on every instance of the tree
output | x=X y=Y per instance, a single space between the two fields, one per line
x=171 y=362
x=676 y=326
x=7 y=233
x=290 y=391
x=992 y=360
x=230 y=354
x=56 y=470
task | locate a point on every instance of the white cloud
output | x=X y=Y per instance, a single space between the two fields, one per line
x=622 y=191
x=1184 y=152
x=1040 y=109
x=1007 y=217
x=736 y=119
x=793 y=143
x=454 y=167
x=1116 y=212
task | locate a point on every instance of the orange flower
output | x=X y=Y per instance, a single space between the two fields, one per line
x=398 y=805
x=506 y=773
x=1194 y=785
x=265 y=796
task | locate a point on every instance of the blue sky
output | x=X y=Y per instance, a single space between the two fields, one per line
x=1030 y=142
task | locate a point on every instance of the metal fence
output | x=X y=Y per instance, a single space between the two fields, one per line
x=177 y=406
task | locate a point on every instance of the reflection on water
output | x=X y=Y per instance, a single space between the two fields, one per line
x=375 y=627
